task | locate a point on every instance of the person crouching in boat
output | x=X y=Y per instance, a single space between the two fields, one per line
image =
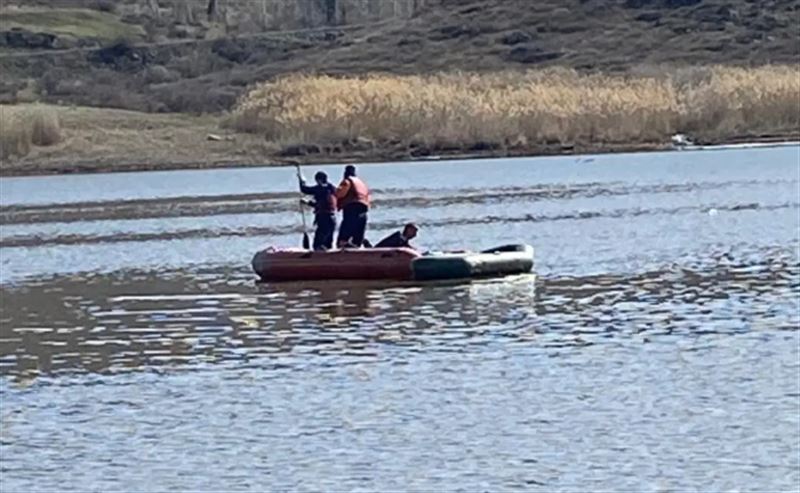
x=400 y=238
x=353 y=200
x=324 y=205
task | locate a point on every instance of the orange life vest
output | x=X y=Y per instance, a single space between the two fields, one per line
x=358 y=193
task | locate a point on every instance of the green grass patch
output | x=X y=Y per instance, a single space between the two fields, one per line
x=81 y=23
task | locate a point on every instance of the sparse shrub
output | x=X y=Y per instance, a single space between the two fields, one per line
x=20 y=129
x=115 y=96
x=45 y=127
x=152 y=32
x=182 y=12
x=15 y=137
x=158 y=74
x=55 y=82
x=104 y=5
x=177 y=98
x=221 y=97
x=198 y=63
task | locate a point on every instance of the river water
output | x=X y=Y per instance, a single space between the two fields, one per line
x=655 y=349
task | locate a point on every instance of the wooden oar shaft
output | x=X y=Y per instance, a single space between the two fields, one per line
x=306 y=242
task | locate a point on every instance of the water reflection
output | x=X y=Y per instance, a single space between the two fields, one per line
x=133 y=321
x=137 y=320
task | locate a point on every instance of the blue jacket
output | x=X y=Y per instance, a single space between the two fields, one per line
x=324 y=197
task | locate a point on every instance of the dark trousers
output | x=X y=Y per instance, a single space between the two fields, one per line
x=323 y=235
x=354 y=224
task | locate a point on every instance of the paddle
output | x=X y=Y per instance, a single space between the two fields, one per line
x=306 y=241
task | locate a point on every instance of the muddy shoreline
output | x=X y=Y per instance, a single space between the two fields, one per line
x=371 y=156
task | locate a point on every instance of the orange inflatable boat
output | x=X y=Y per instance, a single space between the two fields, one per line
x=296 y=264
x=389 y=263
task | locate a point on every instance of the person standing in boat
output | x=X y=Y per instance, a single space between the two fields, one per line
x=324 y=205
x=400 y=238
x=353 y=199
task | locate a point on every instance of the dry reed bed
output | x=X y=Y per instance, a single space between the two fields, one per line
x=517 y=109
x=21 y=129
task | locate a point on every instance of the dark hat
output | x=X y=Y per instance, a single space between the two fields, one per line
x=321 y=176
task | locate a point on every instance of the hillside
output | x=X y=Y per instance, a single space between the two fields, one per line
x=177 y=60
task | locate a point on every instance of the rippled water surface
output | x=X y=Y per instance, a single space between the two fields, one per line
x=655 y=348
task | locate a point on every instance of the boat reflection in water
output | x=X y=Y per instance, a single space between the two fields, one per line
x=129 y=321
x=179 y=320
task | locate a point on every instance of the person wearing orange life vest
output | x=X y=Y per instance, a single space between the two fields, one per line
x=353 y=200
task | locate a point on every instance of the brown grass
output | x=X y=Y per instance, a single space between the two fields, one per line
x=20 y=130
x=104 y=139
x=522 y=108
x=15 y=138
x=45 y=127
x=736 y=101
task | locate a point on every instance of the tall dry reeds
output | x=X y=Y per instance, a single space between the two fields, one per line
x=21 y=129
x=506 y=109
x=738 y=101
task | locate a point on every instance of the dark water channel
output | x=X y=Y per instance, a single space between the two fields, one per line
x=656 y=348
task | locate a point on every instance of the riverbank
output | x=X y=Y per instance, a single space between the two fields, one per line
x=55 y=165
x=321 y=119
x=99 y=140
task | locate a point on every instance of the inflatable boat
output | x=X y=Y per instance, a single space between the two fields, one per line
x=390 y=263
